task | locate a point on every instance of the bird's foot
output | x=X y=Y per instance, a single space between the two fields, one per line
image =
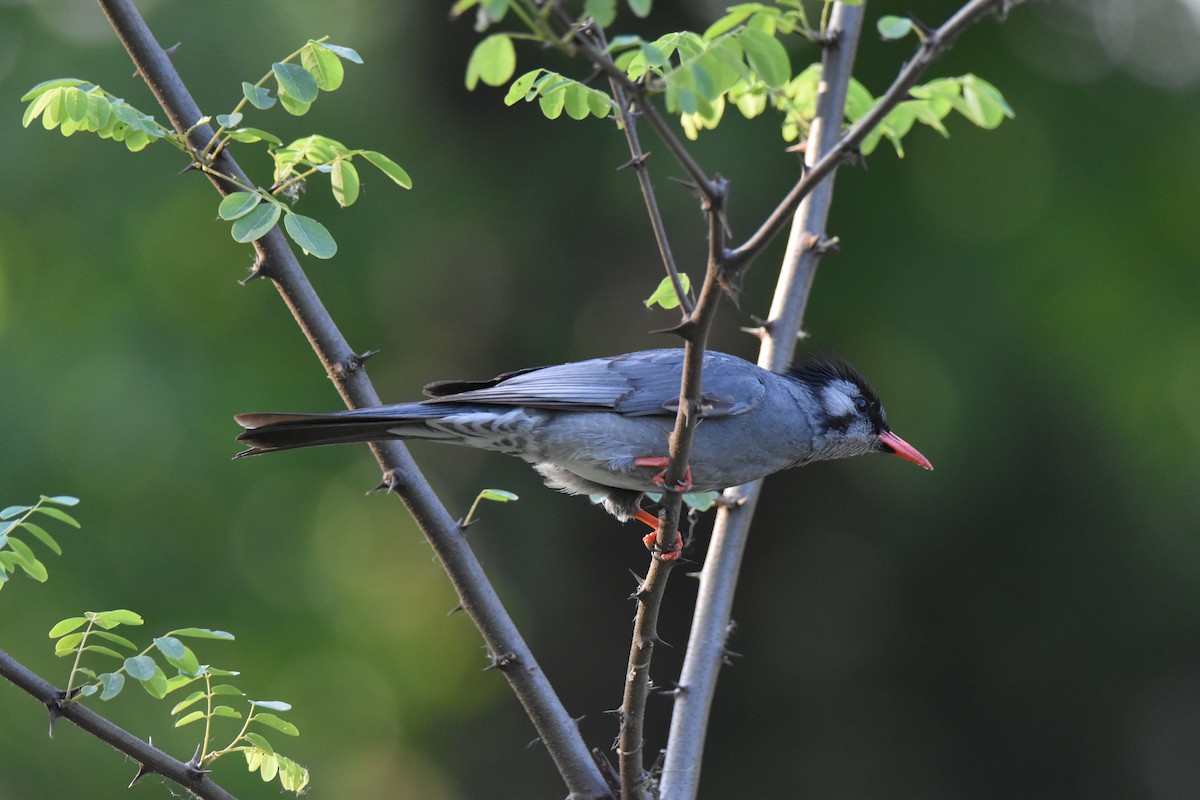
x=651 y=539
x=661 y=478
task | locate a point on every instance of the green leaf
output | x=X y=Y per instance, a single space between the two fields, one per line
x=665 y=295
x=157 y=684
x=767 y=57
x=493 y=61
x=75 y=103
x=701 y=501
x=604 y=12
x=226 y=711
x=27 y=561
x=312 y=237
x=41 y=535
x=189 y=719
x=140 y=667
x=113 y=683
x=65 y=626
x=344 y=179
x=59 y=514
x=202 y=633
x=13 y=511
x=576 y=101
x=640 y=8
x=295 y=82
x=893 y=27
x=347 y=53
x=62 y=500
x=260 y=742
x=112 y=637
x=88 y=690
x=108 y=651
x=269 y=768
x=519 y=90
x=324 y=65
x=252 y=135
x=281 y=725
x=498 y=495
x=293 y=106
x=552 y=104
x=45 y=86
x=238 y=204
x=274 y=705
x=388 y=167
x=229 y=120
x=227 y=688
x=258 y=96
x=988 y=107
x=169 y=646
x=256 y=224
x=67 y=644
x=111 y=619
x=190 y=700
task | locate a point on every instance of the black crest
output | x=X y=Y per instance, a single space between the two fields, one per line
x=820 y=369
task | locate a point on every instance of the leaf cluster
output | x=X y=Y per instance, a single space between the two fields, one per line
x=742 y=60
x=73 y=105
x=14 y=551
x=93 y=633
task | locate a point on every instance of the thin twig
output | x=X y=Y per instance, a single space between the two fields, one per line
x=556 y=728
x=148 y=757
x=637 y=162
x=603 y=62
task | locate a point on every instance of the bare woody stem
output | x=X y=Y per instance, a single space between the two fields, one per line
x=556 y=728
x=149 y=758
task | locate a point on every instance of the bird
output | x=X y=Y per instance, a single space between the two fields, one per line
x=601 y=427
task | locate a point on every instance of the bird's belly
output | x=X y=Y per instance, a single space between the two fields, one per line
x=591 y=446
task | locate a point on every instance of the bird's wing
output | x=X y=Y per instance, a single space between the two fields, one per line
x=636 y=384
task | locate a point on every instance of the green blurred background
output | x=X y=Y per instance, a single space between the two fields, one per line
x=1024 y=622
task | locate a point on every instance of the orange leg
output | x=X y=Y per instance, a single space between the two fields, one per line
x=651 y=539
x=661 y=478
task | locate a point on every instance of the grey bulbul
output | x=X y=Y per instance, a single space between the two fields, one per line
x=600 y=427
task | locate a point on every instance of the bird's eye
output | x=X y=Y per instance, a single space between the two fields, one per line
x=861 y=403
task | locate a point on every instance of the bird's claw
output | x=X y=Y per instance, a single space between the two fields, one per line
x=661 y=478
x=651 y=540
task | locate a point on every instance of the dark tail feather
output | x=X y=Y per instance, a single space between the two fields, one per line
x=266 y=433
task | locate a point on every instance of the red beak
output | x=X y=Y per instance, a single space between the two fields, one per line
x=903 y=449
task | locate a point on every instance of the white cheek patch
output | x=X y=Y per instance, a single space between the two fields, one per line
x=838 y=399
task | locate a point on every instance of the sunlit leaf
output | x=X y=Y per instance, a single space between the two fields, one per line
x=493 y=61
x=238 y=204
x=295 y=81
x=63 y=627
x=388 y=167
x=255 y=224
x=312 y=237
x=344 y=180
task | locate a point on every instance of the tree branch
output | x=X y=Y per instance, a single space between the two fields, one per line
x=706 y=647
x=933 y=45
x=555 y=727
x=637 y=161
x=634 y=780
x=149 y=758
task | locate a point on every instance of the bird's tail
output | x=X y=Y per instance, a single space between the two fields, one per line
x=268 y=432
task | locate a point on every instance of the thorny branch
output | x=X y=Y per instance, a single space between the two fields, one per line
x=148 y=757
x=556 y=728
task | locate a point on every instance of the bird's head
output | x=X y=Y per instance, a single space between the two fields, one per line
x=848 y=417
